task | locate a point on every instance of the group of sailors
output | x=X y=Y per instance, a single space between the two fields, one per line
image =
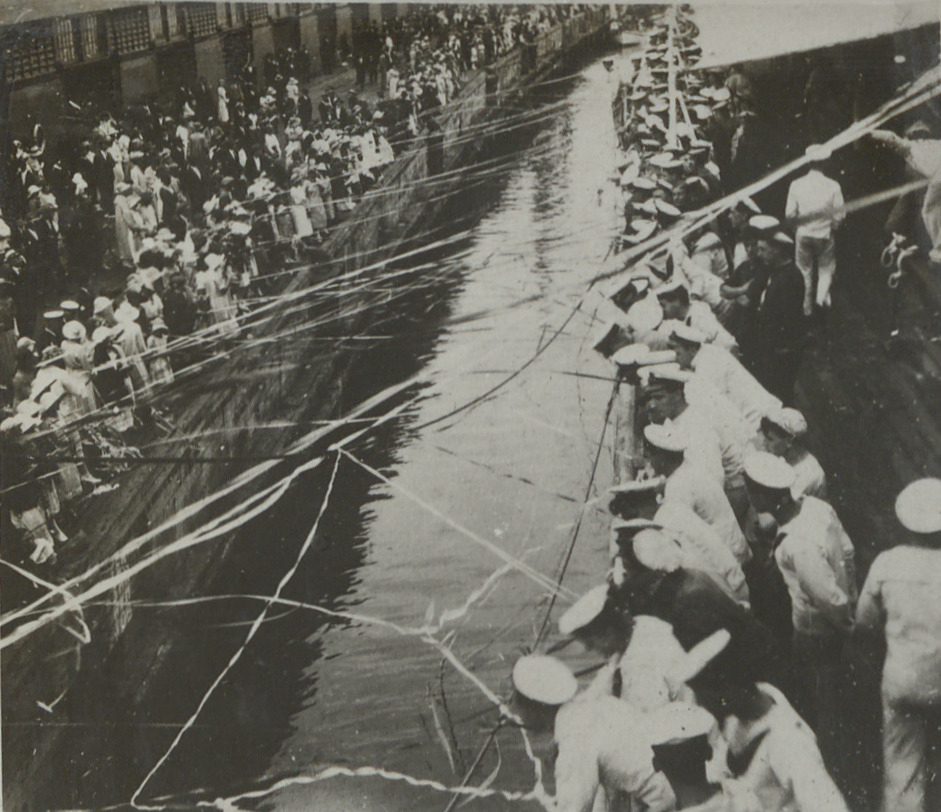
x=732 y=587
x=210 y=199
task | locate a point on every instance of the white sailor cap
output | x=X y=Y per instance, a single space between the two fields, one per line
x=647 y=207
x=686 y=332
x=643 y=183
x=818 y=152
x=655 y=550
x=544 y=679
x=666 y=209
x=586 y=609
x=782 y=239
x=665 y=438
x=678 y=722
x=634 y=525
x=708 y=240
x=918 y=506
x=720 y=94
x=665 y=160
x=640 y=487
x=668 y=373
x=763 y=222
x=632 y=355
x=789 y=420
x=768 y=471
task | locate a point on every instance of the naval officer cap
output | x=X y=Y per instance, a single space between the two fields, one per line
x=655 y=550
x=688 y=334
x=678 y=722
x=788 y=420
x=638 y=489
x=768 y=471
x=635 y=525
x=584 y=611
x=544 y=679
x=664 y=438
x=918 y=506
x=667 y=210
x=763 y=223
x=668 y=375
x=665 y=160
x=644 y=184
x=632 y=355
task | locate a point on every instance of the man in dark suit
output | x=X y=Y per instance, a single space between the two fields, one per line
x=781 y=323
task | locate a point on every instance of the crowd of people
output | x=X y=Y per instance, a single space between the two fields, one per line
x=140 y=240
x=732 y=590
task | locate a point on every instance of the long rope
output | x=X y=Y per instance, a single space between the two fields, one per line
x=581 y=514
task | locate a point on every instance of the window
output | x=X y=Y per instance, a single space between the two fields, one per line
x=157 y=22
x=34 y=52
x=65 y=40
x=257 y=12
x=91 y=31
x=130 y=30
x=202 y=18
x=175 y=20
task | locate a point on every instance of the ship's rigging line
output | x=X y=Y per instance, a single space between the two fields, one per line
x=570 y=548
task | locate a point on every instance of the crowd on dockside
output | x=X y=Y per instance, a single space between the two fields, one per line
x=138 y=243
x=732 y=590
